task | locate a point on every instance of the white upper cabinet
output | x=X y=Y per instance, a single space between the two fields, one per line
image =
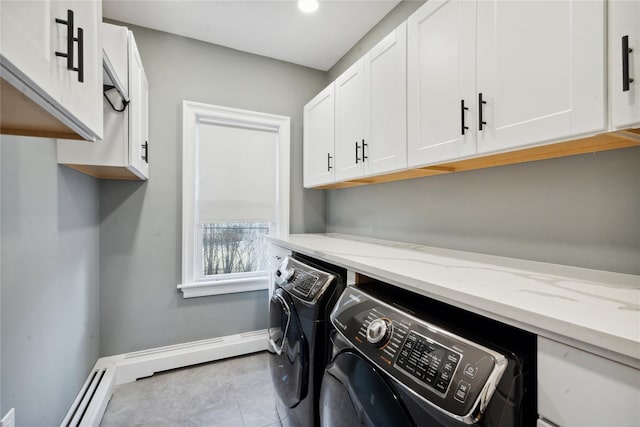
x=31 y=27
x=138 y=113
x=540 y=71
x=441 y=82
x=124 y=151
x=318 y=137
x=385 y=146
x=624 y=63
x=79 y=94
x=350 y=115
x=51 y=67
x=492 y=75
x=371 y=108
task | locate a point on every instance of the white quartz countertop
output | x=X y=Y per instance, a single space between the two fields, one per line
x=597 y=311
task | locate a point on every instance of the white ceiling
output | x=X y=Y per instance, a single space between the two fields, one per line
x=276 y=29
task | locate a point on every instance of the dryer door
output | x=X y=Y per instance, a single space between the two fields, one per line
x=355 y=394
x=290 y=362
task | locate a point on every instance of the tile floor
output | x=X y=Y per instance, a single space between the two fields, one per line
x=234 y=392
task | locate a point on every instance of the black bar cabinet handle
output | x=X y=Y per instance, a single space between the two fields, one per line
x=462 y=110
x=70 y=39
x=364 y=157
x=80 y=69
x=357 y=148
x=329 y=167
x=625 y=64
x=146 y=152
x=481 y=122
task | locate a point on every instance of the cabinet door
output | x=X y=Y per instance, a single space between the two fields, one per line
x=83 y=99
x=32 y=42
x=576 y=388
x=386 y=102
x=624 y=22
x=319 y=137
x=138 y=113
x=540 y=71
x=350 y=114
x=441 y=77
x=31 y=27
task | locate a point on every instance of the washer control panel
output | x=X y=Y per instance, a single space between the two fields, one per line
x=379 y=332
x=428 y=361
x=450 y=372
x=302 y=280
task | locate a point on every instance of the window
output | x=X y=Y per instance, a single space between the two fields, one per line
x=235 y=191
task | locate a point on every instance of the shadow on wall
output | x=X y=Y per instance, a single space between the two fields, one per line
x=121 y=206
x=72 y=189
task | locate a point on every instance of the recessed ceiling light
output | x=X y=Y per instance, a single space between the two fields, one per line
x=308 y=6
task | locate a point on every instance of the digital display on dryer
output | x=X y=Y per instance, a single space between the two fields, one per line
x=428 y=361
x=304 y=283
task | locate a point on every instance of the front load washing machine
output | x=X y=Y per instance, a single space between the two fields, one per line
x=402 y=360
x=301 y=302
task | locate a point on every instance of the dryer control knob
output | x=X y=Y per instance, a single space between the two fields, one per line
x=379 y=332
x=288 y=274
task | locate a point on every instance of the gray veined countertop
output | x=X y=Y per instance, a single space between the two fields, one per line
x=597 y=311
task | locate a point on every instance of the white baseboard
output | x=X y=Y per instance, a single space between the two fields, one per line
x=140 y=364
x=90 y=403
x=126 y=368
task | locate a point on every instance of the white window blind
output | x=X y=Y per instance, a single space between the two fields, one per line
x=235 y=191
x=237 y=174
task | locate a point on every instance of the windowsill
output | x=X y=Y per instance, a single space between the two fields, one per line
x=226 y=286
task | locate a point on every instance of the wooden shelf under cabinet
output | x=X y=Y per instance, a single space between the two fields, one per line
x=593 y=144
x=20 y=115
x=105 y=172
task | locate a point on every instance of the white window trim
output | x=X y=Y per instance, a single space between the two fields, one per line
x=192 y=114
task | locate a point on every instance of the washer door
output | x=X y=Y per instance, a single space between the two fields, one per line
x=355 y=394
x=290 y=360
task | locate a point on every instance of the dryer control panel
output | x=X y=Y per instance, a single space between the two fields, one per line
x=449 y=372
x=301 y=280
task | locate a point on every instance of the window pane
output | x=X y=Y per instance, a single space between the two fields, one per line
x=233 y=248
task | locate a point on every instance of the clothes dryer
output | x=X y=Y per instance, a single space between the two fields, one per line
x=304 y=294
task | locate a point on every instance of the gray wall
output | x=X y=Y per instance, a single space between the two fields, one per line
x=49 y=282
x=582 y=211
x=389 y=23
x=140 y=228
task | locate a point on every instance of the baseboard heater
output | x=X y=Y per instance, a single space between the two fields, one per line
x=89 y=406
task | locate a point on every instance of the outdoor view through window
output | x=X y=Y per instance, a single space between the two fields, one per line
x=233 y=248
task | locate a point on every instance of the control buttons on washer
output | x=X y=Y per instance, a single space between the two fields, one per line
x=379 y=332
x=470 y=371
x=441 y=385
x=453 y=358
x=462 y=391
x=428 y=361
